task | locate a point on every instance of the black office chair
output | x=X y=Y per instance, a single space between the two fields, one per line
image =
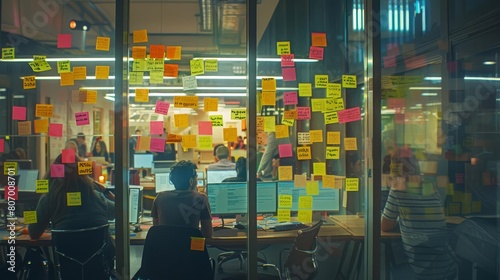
x=168 y=255
x=81 y=253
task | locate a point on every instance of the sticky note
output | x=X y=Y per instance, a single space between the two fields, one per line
x=351 y=184
x=82 y=118
x=320 y=81
x=24 y=128
x=205 y=128
x=189 y=83
x=205 y=142
x=55 y=129
x=211 y=65
x=29 y=217
x=157 y=145
x=333 y=90
x=349 y=81
x=338 y=104
x=91 y=97
x=350 y=144
x=305 y=89
x=349 y=115
x=282 y=131
x=68 y=156
x=299 y=180
x=57 y=170
x=156 y=127
x=136 y=78
x=332 y=152
x=139 y=52
x=316 y=53
x=41 y=126
x=331 y=117
x=238 y=114
x=268 y=84
x=197 y=67
x=79 y=73
x=328 y=181
x=157 y=51
x=197 y=244
x=102 y=43
x=303 y=153
x=29 y=82
x=210 y=104
x=63 y=66
x=64 y=41
x=186 y=102
x=174 y=52
x=10 y=166
x=230 y=134
x=101 y=72
x=303 y=138
x=189 y=141
x=140 y=36
x=142 y=95
x=217 y=120
x=312 y=187
x=287 y=60
x=42 y=186
x=260 y=124
x=181 y=120
x=285 y=150
x=305 y=202
x=2 y=145
x=18 y=113
x=319 y=168
x=317 y=104
x=283 y=215
x=289 y=74
x=269 y=124
x=162 y=107
x=285 y=201
x=285 y=173
x=171 y=70
x=268 y=98
x=318 y=39
x=290 y=98
x=84 y=167
x=67 y=79
x=40 y=66
x=73 y=199
x=8 y=53
x=333 y=138
x=316 y=136
x=283 y=48
x=156 y=77
x=303 y=113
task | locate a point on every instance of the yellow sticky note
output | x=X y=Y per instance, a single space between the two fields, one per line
x=349 y=81
x=101 y=72
x=73 y=199
x=320 y=81
x=303 y=153
x=338 y=104
x=41 y=126
x=268 y=84
x=156 y=77
x=305 y=202
x=189 y=141
x=40 y=66
x=8 y=53
x=102 y=43
x=281 y=131
x=300 y=181
x=181 y=120
x=42 y=186
x=174 y=52
x=333 y=138
x=283 y=47
x=197 y=67
x=238 y=114
x=319 y=168
x=318 y=104
x=24 y=128
x=269 y=124
x=139 y=65
x=304 y=216
x=205 y=142
x=80 y=73
x=333 y=90
x=328 y=181
x=285 y=173
x=140 y=36
x=9 y=168
x=290 y=114
x=332 y=152
x=210 y=104
x=63 y=66
x=351 y=184
x=316 y=136
x=312 y=187
x=67 y=79
x=186 y=102
x=91 y=97
x=29 y=217
x=288 y=122
x=29 y=82
x=285 y=201
x=331 y=117
x=269 y=98
x=44 y=110
x=136 y=78
x=350 y=144
x=211 y=65
x=142 y=95
x=305 y=89
x=283 y=215
x=84 y=167
x=197 y=244
x=217 y=120
x=230 y=134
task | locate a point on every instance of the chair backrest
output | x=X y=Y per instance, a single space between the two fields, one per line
x=302 y=254
x=168 y=255
x=80 y=253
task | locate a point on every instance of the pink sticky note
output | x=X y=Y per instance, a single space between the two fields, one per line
x=393 y=103
x=316 y=53
x=156 y=127
x=2 y=146
x=289 y=74
x=18 y=113
x=205 y=128
x=303 y=113
x=157 y=145
x=349 y=115
x=162 y=107
x=55 y=129
x=64 y=41
x=82 y=118
x=57 y=170
x=290 y=98
x=11 y=192
x=68 y=156
x=287 y=60
x=285 y=150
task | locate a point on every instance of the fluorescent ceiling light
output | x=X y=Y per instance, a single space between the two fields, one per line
x=54 y=59
x=425 y=88
x=165 y=94
x=428 y=94
x=432 y=78
x=482 y=78
x=221 y=94
x=260 y=59
x=489 y=62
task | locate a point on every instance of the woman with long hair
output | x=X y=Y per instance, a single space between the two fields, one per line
x=100 y=150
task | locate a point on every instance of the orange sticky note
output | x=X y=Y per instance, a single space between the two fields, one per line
x=157 y=51
x=41 y=126
x=269 y=98
x=181 y=120
x=303 y=153
x=67 y=79
x=290 y=115
x=29 y=82
x=91 y=97
x=80 y=73
x=318 y=39
x=171 y=70
x=197 y=243
x=44 y=110
x=102 y=72
x=139 y=52
x=102 y=43
x=143 y=143
x=333 y=138
x=24 y=128
x=84 y=167
x=189 y=141
x=230 y=134
x=282 y=131
x=268 y=84
x=141 y=95
x=140 y=36
x=174 y=52
x=285 y=173
x=210 y=104
x=316 y=136
x=328 y=181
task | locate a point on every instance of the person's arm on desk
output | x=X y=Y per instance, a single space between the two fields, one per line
x=390 y=214
x=42 y=215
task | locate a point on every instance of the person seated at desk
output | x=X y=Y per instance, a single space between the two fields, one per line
x=184 y=206
x=223 y=162
x=241 y=171
x=100 y=150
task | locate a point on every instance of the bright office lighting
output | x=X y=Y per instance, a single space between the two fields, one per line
x=489 y=62
x=428 y=94
x=425 y=88
x=259 y=59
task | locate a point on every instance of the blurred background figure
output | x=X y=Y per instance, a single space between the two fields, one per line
x=223 y=162
x=100 y=150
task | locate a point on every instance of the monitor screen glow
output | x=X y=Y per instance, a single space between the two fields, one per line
x=143 y=160
x=162 y=182
x=216 y=176
x=27 y=180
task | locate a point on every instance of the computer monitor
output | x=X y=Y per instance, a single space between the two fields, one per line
x=143 y=160
x=200 y=174
x=27 y=180
x=216 y=176
x=162 y=182
x=134 y=201
x=21 y=163
x=231 y=198
x=327 y=200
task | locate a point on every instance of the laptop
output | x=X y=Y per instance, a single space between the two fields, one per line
x=27 y=180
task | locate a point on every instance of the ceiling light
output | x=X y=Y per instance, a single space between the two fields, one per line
x=428 y=94
x=425 y=88
x=489 y=62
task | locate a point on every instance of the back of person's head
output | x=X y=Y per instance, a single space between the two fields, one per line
x=241 y=167
x=222 y=152
x=80 y=135
x=183 y=175
x=216 y=147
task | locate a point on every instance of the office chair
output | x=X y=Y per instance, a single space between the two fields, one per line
x=81 y=253
x=168 y=255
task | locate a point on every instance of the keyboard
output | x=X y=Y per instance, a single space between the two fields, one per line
x=289 y=226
